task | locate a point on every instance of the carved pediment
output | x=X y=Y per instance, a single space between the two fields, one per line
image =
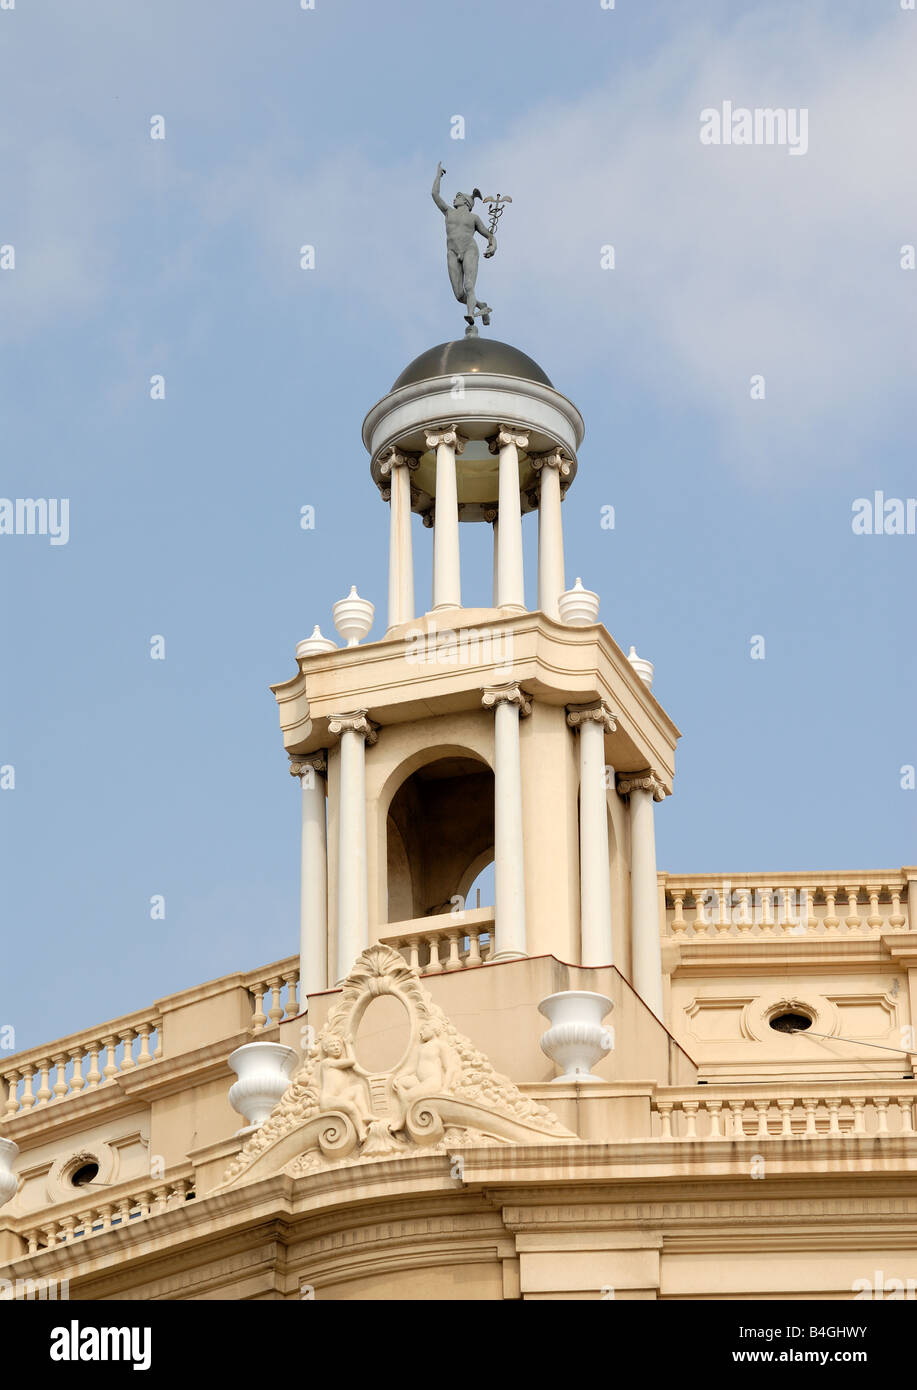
x=442 y=1093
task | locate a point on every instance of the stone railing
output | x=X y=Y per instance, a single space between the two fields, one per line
x=779 y=905
x=768 y=1112
x=83 y=1061
x=91 y=1215
x=266 y=987
x=434 y=945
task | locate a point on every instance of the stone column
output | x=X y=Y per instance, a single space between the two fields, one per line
x=493 y=516
x=447 y=576
x=596 y=946
x=355 y=731
x=509 y=704
x=313 y=890
x=551 y=582
x=398 y=467
x=643 y=788
x=510 y=578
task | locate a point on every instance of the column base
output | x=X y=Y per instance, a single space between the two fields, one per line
x=506 y=955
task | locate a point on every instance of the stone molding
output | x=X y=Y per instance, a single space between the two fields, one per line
x=396 y=458
x=555 y=458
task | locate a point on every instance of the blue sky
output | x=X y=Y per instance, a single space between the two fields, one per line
x=136 y=777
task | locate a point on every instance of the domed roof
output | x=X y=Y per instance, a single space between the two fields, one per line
x=467 y=355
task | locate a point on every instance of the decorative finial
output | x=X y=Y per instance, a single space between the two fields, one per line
x=462 y=249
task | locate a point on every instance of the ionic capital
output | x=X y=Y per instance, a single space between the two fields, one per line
x=600 y=714
x=646 y=781
x=506 y=435
x=311 y=763
x=446 y=434
x=490 y=513
x=556 y=458
x=394 y=458
x=356 y=723
x=507 y=694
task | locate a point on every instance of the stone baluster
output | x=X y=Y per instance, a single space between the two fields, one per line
x=290 y=979
x=93 y=1075
x=905 y=1106
x=157 y=1029
x=59 y=1061
x=110 y=1070
x=834 y=1105
x=713 y=1108
x=434 y=965
x=414 y=949
x=785 y=1106
x=474 y=947
x=852 y=919
x=897 y=919
x=875 y=919
x=127 y=1056
x=832 y=921
x=763 y=1108
x=77 y=1080
x=664 y=1109
x=810 y=1105
x=44 y=1093
x=259 y=1017
x=143 y=1032
x=28 y=1100
x=454 y=960
x=881 y=1103
x=12 y=1099
x=858 y=1106
x=275 y=1012
x=737 y=1114
x=679 y=924
x=690 y=1109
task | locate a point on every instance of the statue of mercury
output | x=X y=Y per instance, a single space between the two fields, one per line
x=462 y=250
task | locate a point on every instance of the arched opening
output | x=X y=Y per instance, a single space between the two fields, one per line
x=440 y=836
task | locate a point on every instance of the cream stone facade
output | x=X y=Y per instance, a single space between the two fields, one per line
x=610 y=1082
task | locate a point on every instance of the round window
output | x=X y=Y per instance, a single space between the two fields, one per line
x=790 y=1023
x=85 y=1174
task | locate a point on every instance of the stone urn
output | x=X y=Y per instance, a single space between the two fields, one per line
x=578 y=607
x=316 y=643
x=576 y=1039
x=264 y=1070
x=9 y=1183
x=353 y=617
x=643 y=668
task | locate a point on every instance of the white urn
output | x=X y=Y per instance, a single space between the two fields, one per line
x=353 y=616
x=576 y=1039
x=643 y=668
x=578 y=607
x=315 y=643
x=264 y=1070
x=9 y=1183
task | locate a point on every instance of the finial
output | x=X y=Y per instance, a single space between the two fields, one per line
x=578 y=607
x=353 y=616
x=643 y=668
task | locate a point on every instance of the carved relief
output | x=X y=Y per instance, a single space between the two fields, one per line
x=442 y=1094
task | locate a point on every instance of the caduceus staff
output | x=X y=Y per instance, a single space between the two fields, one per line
x=462 y=250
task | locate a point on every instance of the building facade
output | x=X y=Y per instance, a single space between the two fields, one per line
x=610 y=1082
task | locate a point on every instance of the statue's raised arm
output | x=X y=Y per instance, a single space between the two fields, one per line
x=440 y=202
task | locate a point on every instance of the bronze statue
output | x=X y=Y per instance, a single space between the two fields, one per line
x=462 y=250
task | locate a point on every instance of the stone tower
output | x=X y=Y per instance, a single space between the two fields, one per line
x=465 y=735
